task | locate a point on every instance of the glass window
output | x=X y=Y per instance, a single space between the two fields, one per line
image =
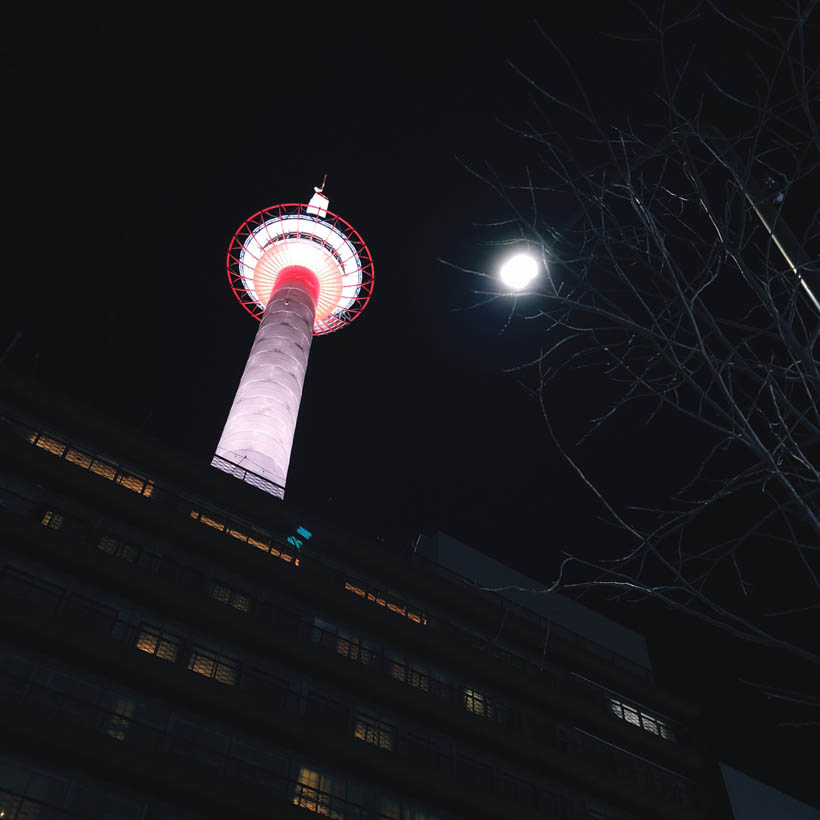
x=103 y=468
x=159 y=643
x=665 y=731
x=357 y=590
x=383 y=599
x=353 y=648
x=136 y=484
x=230 y=597
x=49 y=444
x=53 y=520
x=409 y=675
x=210 y=665
x=119 y=549
x=245 y=534
x=79 y=458
x=479 y=704
x=631 y=716
x=320 y=793
x=637 y=717
x=221 y=593
x=374 y=731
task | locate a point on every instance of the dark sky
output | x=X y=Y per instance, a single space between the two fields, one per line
x=136 y=146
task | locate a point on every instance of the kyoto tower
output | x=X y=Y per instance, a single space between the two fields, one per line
x=301 y=271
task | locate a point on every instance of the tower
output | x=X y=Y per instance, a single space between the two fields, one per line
x=301 y=271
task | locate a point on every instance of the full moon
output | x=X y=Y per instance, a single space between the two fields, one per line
x=518 y=271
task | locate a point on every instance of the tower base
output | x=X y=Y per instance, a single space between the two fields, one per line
x=258 y=481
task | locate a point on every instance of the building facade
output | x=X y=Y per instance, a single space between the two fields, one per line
x=177 y=644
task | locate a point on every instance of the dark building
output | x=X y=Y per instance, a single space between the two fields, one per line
x=178 y=644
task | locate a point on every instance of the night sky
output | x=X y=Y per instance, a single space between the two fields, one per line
x=137 y=145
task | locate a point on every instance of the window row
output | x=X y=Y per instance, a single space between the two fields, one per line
x=427 y=679
x=388 y=601
x=107 y=468
x=270 y=544
x=95 y=464
x=478 y=702
x=638 y=717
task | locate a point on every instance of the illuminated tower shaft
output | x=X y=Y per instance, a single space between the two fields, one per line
x=303 y=272
x=258 y=435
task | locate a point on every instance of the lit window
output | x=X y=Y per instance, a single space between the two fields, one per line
x=479 y=704
x=320 y=793
x=49 y=444
x=412 y=677
x=399 y=609
x=241 y=601
x=100 y=467
x=353 y=588
x=220 y=593
x=136 y=484
x=374 y=731
x=104 y=469
x=79 y=458
x=631 y=716
x=353 y=648
x=212 y=522
x=230 y=597
x=382 y=599
x=636 y=717
x=221 y=669
x=52 y=520
x=665 y=731
x=156 y=642
x=254 y=539
x=118 y=549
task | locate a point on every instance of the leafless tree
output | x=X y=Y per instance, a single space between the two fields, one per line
x=682 y=280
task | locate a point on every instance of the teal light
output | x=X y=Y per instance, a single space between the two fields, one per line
x=299 y=542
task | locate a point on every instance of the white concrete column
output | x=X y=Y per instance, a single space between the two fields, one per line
x=258 y=435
